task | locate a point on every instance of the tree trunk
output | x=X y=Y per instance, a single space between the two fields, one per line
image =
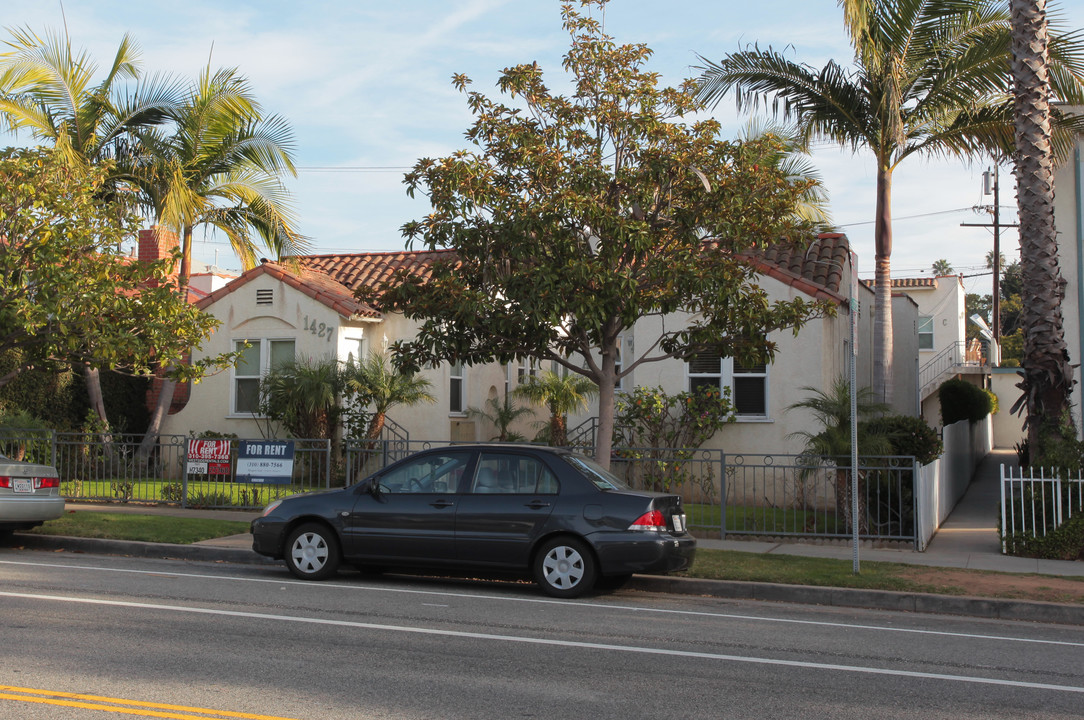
x=883 y=380
x=1048 y=376
x=605 y=439
x=154 y=427
x=93 y=379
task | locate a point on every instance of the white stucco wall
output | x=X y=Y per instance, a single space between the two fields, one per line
x=1069 y=220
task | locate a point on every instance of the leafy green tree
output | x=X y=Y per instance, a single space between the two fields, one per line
x=574 y=217
x=48 y=91
x=67 y=297
x=561 y=394
x=501 y=413
x=378 y=387
x=929 y=78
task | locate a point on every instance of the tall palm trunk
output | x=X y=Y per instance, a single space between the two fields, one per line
x=1048 y=376
x=882 y=320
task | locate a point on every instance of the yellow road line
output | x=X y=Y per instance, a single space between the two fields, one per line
x=134 y=707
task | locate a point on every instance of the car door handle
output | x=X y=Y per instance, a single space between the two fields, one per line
x=442 y=503
x=537 y=505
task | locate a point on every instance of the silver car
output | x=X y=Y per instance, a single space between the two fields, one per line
x=29 y=495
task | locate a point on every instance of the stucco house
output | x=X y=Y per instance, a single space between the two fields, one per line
x=312 y=312
x=941 y=332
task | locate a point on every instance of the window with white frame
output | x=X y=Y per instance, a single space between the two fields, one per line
x=748 y=384
x=526 y=369
x=457 y=389
x=260 y=357
x=618 y=364
x=925 y=333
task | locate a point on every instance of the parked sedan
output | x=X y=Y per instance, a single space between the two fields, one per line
x=541 y=512
x=29 y=495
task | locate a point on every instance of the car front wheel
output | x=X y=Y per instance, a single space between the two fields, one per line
x=565 y=568
x=312 y=552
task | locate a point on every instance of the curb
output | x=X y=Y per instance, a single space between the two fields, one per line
x=979 y=607
x=989 y=608
x=135 y=548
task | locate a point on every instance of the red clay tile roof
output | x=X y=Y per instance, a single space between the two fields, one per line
x=356 y=270
x=316 y=285
x=817 y=271
x=906 y=283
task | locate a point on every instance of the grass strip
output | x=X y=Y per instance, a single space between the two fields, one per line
x=145 y=528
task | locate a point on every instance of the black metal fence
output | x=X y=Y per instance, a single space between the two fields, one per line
x=724 y=494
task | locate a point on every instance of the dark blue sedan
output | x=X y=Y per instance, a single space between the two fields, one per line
x=536 y=511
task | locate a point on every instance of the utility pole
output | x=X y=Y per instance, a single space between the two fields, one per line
x=990 y=185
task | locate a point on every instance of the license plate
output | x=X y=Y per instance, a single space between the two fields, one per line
x=22 y=485
x=679 y=523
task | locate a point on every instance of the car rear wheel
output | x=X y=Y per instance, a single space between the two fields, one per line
x=312 y=552
x=565 y=568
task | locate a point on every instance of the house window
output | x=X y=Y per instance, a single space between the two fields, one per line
x=748 y=385
x=750 y=389
x=456 y=389
x=618 y=364
x=925 y=333
x=527 y=368
x=260 y=357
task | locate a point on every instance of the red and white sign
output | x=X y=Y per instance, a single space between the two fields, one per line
x=209 y=450
x=208 y=457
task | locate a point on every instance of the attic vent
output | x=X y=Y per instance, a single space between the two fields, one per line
x=265 y=296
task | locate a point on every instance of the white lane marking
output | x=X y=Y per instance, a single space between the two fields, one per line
x=548 y=601
x=550 y=642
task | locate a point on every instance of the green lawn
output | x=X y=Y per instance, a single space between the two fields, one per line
x=762 y=519
x=200 y=493
x=133 y=526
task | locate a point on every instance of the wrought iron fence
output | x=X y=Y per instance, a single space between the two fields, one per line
x=1034 y=506
x=724 y=494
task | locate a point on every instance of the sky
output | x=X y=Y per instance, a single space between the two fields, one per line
x=367 y=89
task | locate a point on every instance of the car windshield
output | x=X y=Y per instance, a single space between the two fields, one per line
x=594 y=472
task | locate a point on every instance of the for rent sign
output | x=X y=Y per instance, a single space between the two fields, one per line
x=268 y=462
x=208 y=457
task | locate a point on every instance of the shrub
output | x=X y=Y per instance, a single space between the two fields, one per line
x=908 y=436
x=1064 y=543
x=961 y=400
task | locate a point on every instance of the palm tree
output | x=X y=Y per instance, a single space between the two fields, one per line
x=813 y=208
x=48 y=91
x=942 y=267
x=380 y=387
x=305 y=396
x=929 y=78
x=1048 y=375
x=220 y=166
x=832 y=443
x=502 y=414
x=561 y=394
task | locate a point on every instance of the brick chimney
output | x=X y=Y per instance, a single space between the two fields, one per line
x=157 y=243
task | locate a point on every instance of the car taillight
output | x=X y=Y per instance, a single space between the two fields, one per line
x=652 y=521
x=48 y=482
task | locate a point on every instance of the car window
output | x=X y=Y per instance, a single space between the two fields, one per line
x=508 y=474
x=438 y=473
x=594 y=472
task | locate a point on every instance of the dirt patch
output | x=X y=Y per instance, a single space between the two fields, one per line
x=1000 y=585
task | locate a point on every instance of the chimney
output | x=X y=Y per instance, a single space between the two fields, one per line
x=157 y=243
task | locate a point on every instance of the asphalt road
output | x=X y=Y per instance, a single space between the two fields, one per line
x=87 y=636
